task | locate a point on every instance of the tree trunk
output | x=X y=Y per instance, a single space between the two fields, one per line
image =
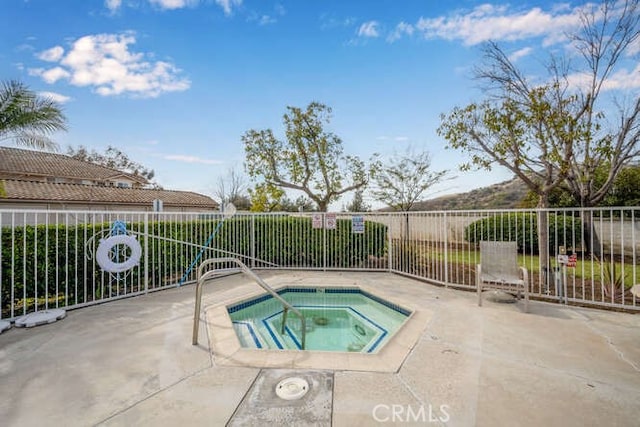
x=590 y=238
x=543 y=239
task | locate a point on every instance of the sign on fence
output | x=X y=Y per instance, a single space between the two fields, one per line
x=357 y=224
x=316 y=220
x=330 y=221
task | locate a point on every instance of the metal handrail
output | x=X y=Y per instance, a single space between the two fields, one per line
x=201 y=278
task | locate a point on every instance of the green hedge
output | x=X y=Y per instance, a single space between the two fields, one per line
x=522 y=227
x=54 y=256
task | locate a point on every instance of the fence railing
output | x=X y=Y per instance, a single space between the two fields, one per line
x=51 y=259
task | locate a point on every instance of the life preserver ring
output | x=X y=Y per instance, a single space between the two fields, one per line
x=105 y=247
x=359 y=329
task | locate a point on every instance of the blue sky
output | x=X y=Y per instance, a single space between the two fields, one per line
x=175 y=83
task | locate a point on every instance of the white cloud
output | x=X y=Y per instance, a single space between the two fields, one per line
x=328 y=22
x=104 y=62
x=489 y=22
x=401 y=29
x=61 y=99
x=520 y=53
x=54 y=74
x=52 y=55
x=228 y=5
x=369 y=29
x=173 y=4
x=113 y=5
x=24 y=47
x=394 y=138
x=620 y=80
x=191 y=159
x=634 y=48
x=266 y=20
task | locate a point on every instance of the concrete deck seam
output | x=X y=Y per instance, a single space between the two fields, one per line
x=206 y=328
x=411 y=391
x=612 y=346
x=244 y=396
x=415 y=395
x=155 y=393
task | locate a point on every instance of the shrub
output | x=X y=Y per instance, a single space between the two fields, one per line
x=50 y=261
x=522 y=227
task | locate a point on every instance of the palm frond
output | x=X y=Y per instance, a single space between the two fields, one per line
x=28 y=119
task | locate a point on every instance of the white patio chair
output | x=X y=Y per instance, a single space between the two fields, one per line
x=498 y=269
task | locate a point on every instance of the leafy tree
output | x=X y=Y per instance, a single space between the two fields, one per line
x=310 y=159
x=266 y=198
x=300 y=204
x=625 y=190
x=358 y=204
x=113 y=158
x=402 y=181
x=27 y=118
x=269 y=198
x=232 y=188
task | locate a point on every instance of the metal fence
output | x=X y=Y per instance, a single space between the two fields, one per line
x=53 y=259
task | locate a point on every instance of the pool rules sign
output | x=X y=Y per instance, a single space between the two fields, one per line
x=357 y=224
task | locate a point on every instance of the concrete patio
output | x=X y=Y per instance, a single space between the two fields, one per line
x=131 y=362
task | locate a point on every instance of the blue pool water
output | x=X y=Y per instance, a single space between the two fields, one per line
x=337 y=319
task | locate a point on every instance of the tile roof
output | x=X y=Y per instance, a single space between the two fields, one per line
x=54 y=192
x=16 y=161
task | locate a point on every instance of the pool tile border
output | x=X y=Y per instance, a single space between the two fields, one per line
x=232 y=308
x=227 y=350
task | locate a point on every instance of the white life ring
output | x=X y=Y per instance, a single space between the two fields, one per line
x=105 y=247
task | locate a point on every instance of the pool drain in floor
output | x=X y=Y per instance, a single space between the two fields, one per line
x=287 y=397
x=292 y=388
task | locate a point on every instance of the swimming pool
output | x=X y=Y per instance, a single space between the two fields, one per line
x=337 y=319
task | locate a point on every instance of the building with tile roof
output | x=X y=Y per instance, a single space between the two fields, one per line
x=41 y=180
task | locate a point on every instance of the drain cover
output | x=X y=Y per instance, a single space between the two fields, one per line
x=40 y=318
x=287 y=397
x=292 y=388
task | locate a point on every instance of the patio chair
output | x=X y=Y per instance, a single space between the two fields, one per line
x=498 y=269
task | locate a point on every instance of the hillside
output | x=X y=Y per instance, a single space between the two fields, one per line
x=504 y=195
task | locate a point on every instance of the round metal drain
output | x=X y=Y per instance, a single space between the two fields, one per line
x=292 y=388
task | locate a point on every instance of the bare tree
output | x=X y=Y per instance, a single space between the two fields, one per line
x=554 y=133
x=403 y=180
x=232 y=188
x=607 y=32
